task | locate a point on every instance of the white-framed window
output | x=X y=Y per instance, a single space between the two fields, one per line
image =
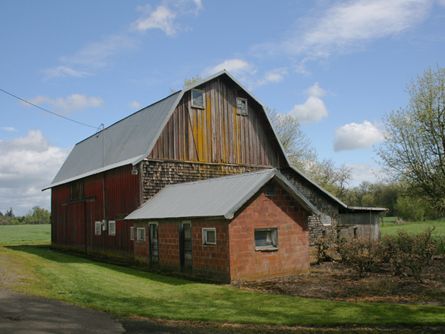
x=132 y=233
x=97 y=227
x=266 y=238
x=140 y=234
x=111 y=227
x=241 y=106
x=209 y=236
x=198 y=99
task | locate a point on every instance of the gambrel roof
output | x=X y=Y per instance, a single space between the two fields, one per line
x=216 y=197
x=132 y=139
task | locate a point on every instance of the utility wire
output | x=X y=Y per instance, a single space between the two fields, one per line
x=49 y=111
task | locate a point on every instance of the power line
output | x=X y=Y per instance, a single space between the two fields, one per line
x=49 y=111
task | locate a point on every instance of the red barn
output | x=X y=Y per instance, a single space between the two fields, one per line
x=199 y=183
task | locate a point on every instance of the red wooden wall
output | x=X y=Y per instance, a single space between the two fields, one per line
x=73 y=220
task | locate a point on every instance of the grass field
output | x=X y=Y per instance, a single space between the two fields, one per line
x=124 y=291
x=390 y=228
x=25 y=234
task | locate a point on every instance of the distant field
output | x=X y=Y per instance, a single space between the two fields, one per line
x=25 y=234
x=390 y=228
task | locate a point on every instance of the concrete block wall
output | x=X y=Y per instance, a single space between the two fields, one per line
x=264 y=211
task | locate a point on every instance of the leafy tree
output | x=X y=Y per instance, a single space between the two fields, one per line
x=37 y=216
x=415 y=139
x=9 y=213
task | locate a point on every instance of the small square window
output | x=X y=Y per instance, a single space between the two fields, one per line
x=98 y=228
x=266 y=239
x=209 y=236
x=140 y=234
x=241 y=106
x=111 y=227
x=198 y=100
x=132 y=233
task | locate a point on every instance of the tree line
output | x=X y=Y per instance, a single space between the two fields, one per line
x=413 y=155
x=36 y=215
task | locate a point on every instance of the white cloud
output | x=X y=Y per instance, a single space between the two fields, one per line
x=347 y=24
x=273 y=76
x=74 y=102
x=64 y=71
x=91 y=57
x=313 y=109
x=8 y=129
x=99 y=54
x=357 y=135
x=165 y=16
x=235 y=66
x=135 y=105
x=161 y=18
x=365 y=173
x=28 y=164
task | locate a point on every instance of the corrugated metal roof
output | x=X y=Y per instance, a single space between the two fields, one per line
x=218 y=197
x=126 y=141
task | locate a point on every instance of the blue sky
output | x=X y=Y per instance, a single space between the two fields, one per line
x=337 y=66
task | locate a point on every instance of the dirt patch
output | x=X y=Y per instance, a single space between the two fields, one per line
x=334 y=281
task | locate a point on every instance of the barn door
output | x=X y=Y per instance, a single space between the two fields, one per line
x=185 y=245
x=153 y=243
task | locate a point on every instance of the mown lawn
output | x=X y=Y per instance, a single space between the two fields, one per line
x=389 y=228
x=126 y=291
x=25 y=234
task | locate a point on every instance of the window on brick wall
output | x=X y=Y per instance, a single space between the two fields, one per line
x=209 y=236
x=140 y=234
x=266 y=239
x=97 y=228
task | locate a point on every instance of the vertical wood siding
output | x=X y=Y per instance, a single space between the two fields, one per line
x=73 y=221
x=217 y=134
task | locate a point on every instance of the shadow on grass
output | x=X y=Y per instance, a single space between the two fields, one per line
x=51 y=254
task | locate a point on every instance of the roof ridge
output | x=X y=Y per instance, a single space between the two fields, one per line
x=230 y=176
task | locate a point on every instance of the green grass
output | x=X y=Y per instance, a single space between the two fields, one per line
x=389 y=228
x=124 y=292
x=29 y=234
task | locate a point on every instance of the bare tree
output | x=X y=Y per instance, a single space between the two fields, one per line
x=414 y=149
x=295 y=143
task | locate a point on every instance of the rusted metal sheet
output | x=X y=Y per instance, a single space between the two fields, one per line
x=217 y=134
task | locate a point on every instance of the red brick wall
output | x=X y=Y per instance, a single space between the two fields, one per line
x=208 y=261
x=211 y=261
x=168 y=234
x=292 y=255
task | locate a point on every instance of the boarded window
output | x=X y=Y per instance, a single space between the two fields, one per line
x=76 y=190
x=140 y=234
x=98 y=228
x=241 y=106
x=198 y=100
x=132 y=233
x=266 y=239
x=209 y=236
x=111 y=227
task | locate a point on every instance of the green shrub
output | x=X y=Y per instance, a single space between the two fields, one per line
x=403 y=254
x=360 y=254
x=408 y=254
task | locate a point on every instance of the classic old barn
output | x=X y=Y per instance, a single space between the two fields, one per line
x=198 y=183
